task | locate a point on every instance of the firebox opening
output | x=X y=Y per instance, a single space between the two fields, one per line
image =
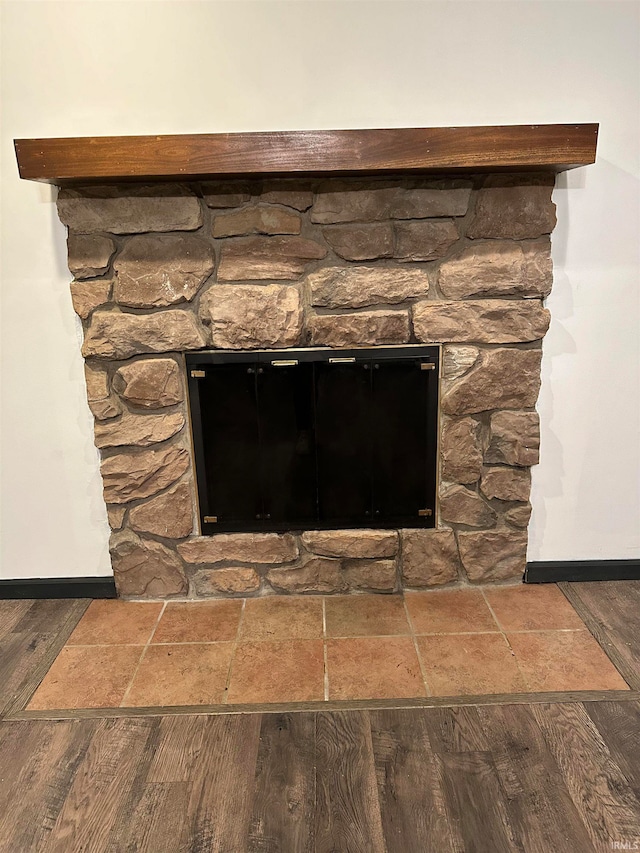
x=315 y=438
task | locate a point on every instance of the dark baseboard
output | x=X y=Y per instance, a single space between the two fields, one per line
x=556 y=571
x=58 y=588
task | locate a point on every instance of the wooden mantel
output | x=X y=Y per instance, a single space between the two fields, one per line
x=437 y=150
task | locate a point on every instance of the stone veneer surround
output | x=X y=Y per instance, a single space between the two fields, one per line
x=167 y=268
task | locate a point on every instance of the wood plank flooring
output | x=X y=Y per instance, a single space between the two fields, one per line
x=492 y=779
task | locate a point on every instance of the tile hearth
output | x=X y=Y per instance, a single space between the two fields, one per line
x=455 y=642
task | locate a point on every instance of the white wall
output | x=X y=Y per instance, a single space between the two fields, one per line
x=92 y=68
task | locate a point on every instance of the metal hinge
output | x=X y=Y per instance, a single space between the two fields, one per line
x=210 y=519
x=427 y=365
x=198 y=374
x=425 y=513
x=285 y=363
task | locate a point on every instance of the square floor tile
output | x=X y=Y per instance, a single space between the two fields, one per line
x=110 y=621
x=191 y=674
x=366 y=616
x=285 y=671
x=199 y=621
x=532 y=607
x=87 y=677
x=564 y=660
x=468 y=664
x=373 y=668
x=282 y=618
x=449 y=612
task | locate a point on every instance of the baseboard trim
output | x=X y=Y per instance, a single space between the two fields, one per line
x=557 y=571
x=58 y=588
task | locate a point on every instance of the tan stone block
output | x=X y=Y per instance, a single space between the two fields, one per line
x=221 y=194
x=424 y=240
x=366 y=328
x=129 y=209
x=145 y=569
x=429 y=557
x=493 y=555
x=113 y=334
x=359 y=242
x=514 y=438
x=89 y=254
x=488 y=321
x=318 y=575
x=506 y=484
x=296 y=194
x=518 y=516
x=237 y=580
x=345 y=287
x=261 y=548
x=156 y=271
x=169 y=515
x=115 y=516
x=150 y=382
x=515 y=207
x=463 y=506
x=498 y=269
x=130 y=476
x=86 y=296
x=374 y=575
x=258 y=258
x=458 y=360
x=102 y=402
x=244 y=316
x=461 y=451
x=351 y=543
x=138 y=430
x=501 y=379
x=256 y=220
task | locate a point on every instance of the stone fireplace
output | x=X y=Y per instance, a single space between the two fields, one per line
x=275 y=263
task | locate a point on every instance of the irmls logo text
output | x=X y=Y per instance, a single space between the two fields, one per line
x=626 y=845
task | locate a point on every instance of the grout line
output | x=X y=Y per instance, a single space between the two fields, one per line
x=233 y=653
x=324 y=649
x=415 y=645
x=525 y=680
x=144 y=651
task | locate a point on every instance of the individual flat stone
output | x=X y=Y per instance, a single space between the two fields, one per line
x=461 y=451
x=296 y=194
x=518 y=516
x=102 y=402
x=86 y=296
x=501 y=379
x=232 y=580
x=498 y=269
x=169 y=514
x=516 y=207
x=256 y=220
x=130 y=476
x=145 y=569
x=493 y=555
x=346 y=287
x=113 y=334
x=89 y=254
x=487 y=321
x=429 y=557
x=366 y=328
x=150 y=382
x=318 y=575
x=243 y=316
x=361 y=242
x=226 y=193
x=425 y=240
x=259 y=258
x=138 y=430
x=352 y=543
x=506 y=484
x=156 y=271
x=457 y=360
x=129 y=209
x=463 y=506
x=115 y=516
x=240 y=547
x=347 y=202
x=374 y=575
x=514 y=438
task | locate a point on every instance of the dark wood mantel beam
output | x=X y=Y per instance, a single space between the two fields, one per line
x=109 y=159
